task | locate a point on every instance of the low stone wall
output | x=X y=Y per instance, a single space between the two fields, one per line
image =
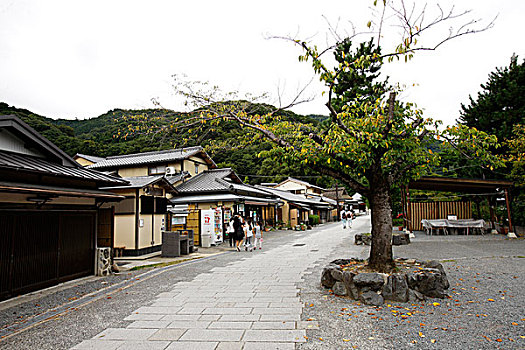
x=416 y=281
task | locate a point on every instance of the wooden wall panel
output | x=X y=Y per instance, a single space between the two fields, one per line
x=437 y=210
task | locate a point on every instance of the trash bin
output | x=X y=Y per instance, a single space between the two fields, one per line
x=206 y=240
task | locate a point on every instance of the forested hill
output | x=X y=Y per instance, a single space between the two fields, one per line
x=97 y=136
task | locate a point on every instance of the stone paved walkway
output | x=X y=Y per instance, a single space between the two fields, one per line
x=249 y=304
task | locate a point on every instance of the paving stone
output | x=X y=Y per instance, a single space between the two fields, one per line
x=274 y=325
x=144 y=317
x=230 y=325
x=125 y=334
x=239 y=318
x=191 y=310
x=192 y=345
x=254 y=304
x=307 y=325
x=149 y=324
x=167 y=334
x=268 y=346
x=283 y=317
x=158 y=310
x=227 y=311
x=189 y=324
x=213 y=335
x=228 y=345
x=273 y=311
x=256 y=335
x=178 y=317
x=144 y=345
x=98 y=344
x=209 y=317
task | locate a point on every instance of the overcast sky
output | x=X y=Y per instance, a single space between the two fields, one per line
x=79 y=59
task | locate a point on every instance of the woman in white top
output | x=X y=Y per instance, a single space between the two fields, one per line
x=248 y=234
x=258 y=235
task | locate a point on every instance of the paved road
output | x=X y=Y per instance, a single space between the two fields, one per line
x=231 y=301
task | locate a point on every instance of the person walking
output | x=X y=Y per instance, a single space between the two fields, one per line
x=238 y=231
x=350 y=216
x=343 y=217
x=248 y=235
x=231 y=232
x=257 y=232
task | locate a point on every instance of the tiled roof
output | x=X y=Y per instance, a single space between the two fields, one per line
x=142 y=181
x=150 y=158
x=93 y=159
x=206 y=181
x=22 y=162
x=290 y=197
x=307 y=184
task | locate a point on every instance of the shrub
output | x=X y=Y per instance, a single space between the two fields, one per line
x=313 y=219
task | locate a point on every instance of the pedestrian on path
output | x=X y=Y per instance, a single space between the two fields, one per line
x=257 y=232
x=349 y=217
x=239 y=232
x=248 y=235
x=343 y=217
x=231 y=232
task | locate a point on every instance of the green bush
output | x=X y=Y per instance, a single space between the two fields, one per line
x=397 y=222
x=313 y=219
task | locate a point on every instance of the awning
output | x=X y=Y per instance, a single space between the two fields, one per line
x=224 y=197
x=15 y=187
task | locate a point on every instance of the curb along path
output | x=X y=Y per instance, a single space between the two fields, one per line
x=249 y=304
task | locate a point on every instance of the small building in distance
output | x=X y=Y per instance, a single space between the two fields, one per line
x=152 y=178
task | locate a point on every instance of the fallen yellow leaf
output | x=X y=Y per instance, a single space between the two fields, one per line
x=436 y=304
x=421 y=335
x=346 y=339
x=432 y=341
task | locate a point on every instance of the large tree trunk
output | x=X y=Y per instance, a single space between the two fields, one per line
x=381 y=259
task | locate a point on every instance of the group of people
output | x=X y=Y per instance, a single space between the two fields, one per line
x=346 y=217
x=241 y=230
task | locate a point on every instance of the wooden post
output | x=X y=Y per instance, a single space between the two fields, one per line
x=409 y=212
x=507 y=201
x=491 y=210
x=337 y=199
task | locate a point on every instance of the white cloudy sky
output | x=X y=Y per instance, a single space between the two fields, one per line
x=79 y=59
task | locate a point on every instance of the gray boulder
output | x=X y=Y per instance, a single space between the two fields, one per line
x=434 y=264
x=339 y=289
x=337 y=274
x=415 y=296
x=429 y=282
x=369 y=281
x=372 y=298
x=326 y=277
x=351 y=289
x=396 y=288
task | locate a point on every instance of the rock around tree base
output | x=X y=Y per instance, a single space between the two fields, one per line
x=414 y=281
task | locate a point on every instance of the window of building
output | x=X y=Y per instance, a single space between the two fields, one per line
x=147 y=204
x=126 y=206
x=196 y=169
x=157 y=170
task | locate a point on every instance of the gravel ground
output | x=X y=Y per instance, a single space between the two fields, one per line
x=485 y=309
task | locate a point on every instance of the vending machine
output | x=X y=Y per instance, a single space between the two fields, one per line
x=207 y=227
x=218 y=226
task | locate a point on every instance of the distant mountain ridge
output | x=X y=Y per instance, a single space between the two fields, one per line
x=97 y=137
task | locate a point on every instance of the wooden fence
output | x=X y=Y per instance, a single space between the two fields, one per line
x=436 y=210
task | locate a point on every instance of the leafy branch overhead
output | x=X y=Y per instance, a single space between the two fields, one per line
x=371 y=141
